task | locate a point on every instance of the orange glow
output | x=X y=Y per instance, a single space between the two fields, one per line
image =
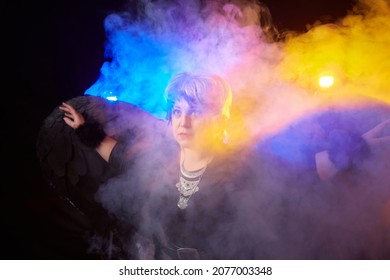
x=326 y=81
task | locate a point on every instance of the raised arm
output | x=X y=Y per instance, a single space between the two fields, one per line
x=90 y=132
x=326 y=167
x=379 y=134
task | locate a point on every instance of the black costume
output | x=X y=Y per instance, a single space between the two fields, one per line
x=220 y=221
x=262 y=202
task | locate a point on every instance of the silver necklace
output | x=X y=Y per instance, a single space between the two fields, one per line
x=188 y=185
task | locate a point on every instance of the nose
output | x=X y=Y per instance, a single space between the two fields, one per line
x=185 y=120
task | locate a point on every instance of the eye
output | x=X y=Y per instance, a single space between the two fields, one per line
x=176 y=112
x=195 y=113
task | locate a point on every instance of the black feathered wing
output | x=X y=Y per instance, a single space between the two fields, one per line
x=64 y=160
x=75 y=172
x=346 y=216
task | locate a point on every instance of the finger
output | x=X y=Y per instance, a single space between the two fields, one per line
x=69 y=108
x=376 y=131
x=380 y=140
x=63 y=108
x=64 y=105
x=68 y=122
x=70 y=116
x=383 y=124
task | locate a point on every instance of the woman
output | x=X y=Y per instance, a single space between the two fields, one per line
x=198 y=107
x=193 y=212
x=203 y=217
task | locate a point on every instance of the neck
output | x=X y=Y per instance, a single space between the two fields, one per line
x=193 y=160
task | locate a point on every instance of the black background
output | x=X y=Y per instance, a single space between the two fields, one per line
x=52 y=51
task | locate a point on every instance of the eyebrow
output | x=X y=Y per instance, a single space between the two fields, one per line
x=192 y=106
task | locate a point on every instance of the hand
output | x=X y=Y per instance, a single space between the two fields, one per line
x=72 y=118
x=378 y=133
x=325 y=168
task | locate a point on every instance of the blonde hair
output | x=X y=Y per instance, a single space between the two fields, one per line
x=206 y=90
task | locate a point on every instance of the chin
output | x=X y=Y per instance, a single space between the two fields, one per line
x=184 y=143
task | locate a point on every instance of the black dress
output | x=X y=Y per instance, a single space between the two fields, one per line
x=225 y=219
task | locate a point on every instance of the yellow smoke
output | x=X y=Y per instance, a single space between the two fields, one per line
x=355 y=51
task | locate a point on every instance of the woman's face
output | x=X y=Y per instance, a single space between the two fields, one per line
x=192 y=126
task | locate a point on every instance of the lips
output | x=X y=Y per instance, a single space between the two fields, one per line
x=184 y=135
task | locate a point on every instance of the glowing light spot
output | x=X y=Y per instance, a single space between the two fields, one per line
x=112 y=98
x=326 y=81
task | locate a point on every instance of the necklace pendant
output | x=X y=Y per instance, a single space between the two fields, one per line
x=188 y=185
x=182 y=203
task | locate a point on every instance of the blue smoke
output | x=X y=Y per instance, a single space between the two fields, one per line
x=135 y=71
